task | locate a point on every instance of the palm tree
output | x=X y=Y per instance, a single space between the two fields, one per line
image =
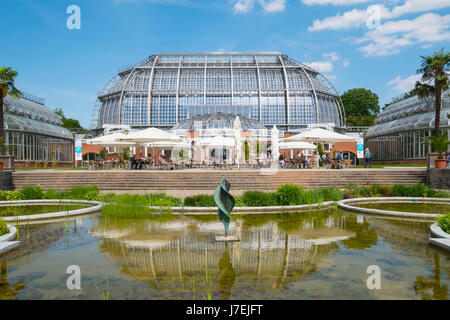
x=434 y=81
x=7 y=78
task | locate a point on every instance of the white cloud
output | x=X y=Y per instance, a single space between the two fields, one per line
x=394 y=35
x=332 y=55
x=356 y=17
x=346 y=63
x=321 y=66
x=404 y=85
x=273 y=5
x=333 y=2
x=244 y=6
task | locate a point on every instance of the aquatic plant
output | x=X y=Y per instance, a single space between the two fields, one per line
x=259 y=199
x=32 y=192
x=444 y=222
x=3 y=228
x=105 y=293
x=201 y=200
x=289 y=195
x=418 y=190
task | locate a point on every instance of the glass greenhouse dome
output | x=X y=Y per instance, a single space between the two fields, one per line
x=268 y=87
x=34 y=133
x=403 y=126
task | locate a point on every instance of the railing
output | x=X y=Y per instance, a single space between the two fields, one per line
x=31 y=97
x=8 y=163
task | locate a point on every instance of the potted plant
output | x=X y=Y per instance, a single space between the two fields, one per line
x=439 y=144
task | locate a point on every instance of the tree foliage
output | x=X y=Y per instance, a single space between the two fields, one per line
x=361 y=106
x=7 y=87
x=68 y=123
x=434 y=70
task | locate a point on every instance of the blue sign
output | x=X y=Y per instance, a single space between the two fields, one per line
x=360 y=147
x=78 y=149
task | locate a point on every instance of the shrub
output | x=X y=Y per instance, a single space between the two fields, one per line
x=352 y=191
x=84 y=192
x=321 y=195
x=289 y=195
x=201 y=200
x=163 y=200
x=32 y=192
x=418 y=190
x=13 y=195
x=444 y=222
x=3 y=227
x=107 y=197
x=259 y=199
x=239 y=201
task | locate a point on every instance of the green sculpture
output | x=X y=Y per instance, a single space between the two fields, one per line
x=225 y=202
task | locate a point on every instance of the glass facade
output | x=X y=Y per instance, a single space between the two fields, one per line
x=403 y=126
x=34 y=133
x=268 y=87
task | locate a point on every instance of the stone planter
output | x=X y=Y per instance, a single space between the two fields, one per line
x=440 y=163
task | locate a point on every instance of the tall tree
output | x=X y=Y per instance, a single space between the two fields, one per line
x=7 y=87
x=68 y=123
x=434 y=81
x=361 y=106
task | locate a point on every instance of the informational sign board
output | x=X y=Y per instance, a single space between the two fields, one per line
x=360 y=148
x=78 y=151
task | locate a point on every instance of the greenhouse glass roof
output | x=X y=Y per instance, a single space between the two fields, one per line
x=409 y=114
x=30 y=116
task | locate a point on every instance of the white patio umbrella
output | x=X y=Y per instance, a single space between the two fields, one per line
x=297 y=145
x=275 y=145
x=170 y=145
x=321 y=136
x=219 y=142
x=238 y=139
x=110 y=140
x=150 y=135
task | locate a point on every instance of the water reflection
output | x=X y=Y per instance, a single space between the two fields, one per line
x=432 y=288
x=176 y=254
x=227 y=275
x=8 y=291
x=312 y=255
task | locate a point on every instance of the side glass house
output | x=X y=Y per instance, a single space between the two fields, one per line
x=34 y=133
x=402 y=128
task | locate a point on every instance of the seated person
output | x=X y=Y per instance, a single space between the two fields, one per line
x=281 y=160
x=133 y=163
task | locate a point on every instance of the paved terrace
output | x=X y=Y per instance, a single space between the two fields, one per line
x=183 y=183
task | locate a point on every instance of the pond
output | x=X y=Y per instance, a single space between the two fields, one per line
x=312 y=255
x=409 y=207
x=12 y=211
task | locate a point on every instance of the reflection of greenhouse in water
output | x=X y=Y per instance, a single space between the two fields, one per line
x=264 y=255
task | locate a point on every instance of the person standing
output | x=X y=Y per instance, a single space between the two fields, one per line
x=317 y=159
x=367 y=157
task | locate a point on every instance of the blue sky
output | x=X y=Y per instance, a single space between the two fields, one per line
x=340 y=37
